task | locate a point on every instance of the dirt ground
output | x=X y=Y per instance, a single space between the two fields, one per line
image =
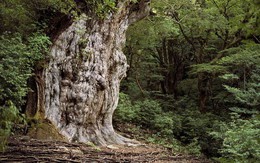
x=27 y=150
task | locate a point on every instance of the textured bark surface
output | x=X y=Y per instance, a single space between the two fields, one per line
x=35 y=97
x=84 y=73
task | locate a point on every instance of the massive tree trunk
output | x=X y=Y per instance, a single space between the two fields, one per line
x=84 y=72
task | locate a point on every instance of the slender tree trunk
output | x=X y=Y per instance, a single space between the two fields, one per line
x=203 y=92
x=172 y=62
x=84 y=72
x=203 y=81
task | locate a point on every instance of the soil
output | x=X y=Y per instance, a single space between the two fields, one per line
x=25 y=149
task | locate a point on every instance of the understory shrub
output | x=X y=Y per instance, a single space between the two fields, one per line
x=126 y=111
x=190 y=127
x=240 y=138
x=146 y=114
x=164 y=124
x=8 y=115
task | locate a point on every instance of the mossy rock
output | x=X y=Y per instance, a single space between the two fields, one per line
x=45 y=130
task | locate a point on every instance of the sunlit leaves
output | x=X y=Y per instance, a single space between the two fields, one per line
x=151 y=32
x=15 y=68
x=243 y=63
x=242 y=56
x=38 y=46
x=207 y=68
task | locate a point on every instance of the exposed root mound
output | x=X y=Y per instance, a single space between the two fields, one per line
x=30 y=150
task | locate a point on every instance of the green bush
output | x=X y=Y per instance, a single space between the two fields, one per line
x=240 y=139
x=192 y=128
x=126 y=111
x=194 y=124
x=8 y=115
x=149 y=110
x=17 y=58
x=151 y=116
x=188 y=126
x=14 y=69
x=164 y=124
x=147 y=113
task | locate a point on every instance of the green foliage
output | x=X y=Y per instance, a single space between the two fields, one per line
x=240 y=140
x=243 y=64
x=244 y=56
x=191 y=128
x=146 y=114
x=207 y=68
x=26 y=16
x=38 y=46
x=151 y=116
x=126 y=111
x=16 y=61
x=250 y=97
x=104 y=7
x=151 y=36
x=98 y=8
x=194 y=147
x=15 y=16
x=149 y=109
x=207 y=52
x=14 y=69
x=8 y=115
x=164 y=123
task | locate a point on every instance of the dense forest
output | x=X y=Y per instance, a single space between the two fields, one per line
x=193 y=77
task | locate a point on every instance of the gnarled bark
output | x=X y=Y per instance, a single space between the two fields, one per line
x=83 y=76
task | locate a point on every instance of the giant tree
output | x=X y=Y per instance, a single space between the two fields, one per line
x=76 y=86
x=79 y=87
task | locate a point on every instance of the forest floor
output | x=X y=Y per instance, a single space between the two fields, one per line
x=25 y=149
